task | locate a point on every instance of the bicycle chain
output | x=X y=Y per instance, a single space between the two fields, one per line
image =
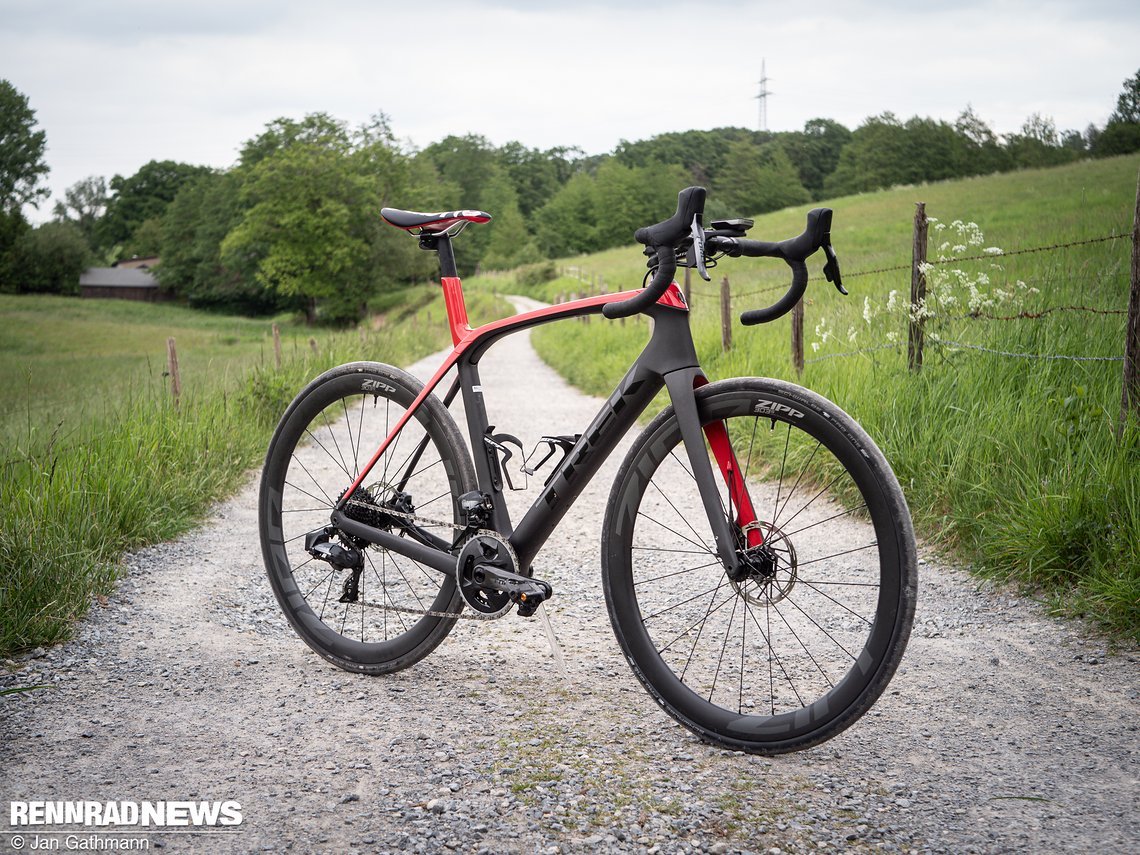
x=470 y=614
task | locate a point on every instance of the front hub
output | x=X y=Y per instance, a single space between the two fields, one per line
x=768 y=572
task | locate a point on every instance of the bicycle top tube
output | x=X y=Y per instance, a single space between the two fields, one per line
x=478 y=339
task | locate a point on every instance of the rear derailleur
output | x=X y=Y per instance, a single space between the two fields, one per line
x=345 y=555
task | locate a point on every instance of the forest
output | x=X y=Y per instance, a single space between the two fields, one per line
x=294 y=224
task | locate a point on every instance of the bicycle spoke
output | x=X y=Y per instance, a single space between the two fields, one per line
x=684 y=519
x=677 y=573
x=677 y=533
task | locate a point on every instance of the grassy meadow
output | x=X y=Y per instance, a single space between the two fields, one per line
x=97 y=460
x=1009 y=461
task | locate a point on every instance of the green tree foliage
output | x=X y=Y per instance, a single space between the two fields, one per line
x=309 y=227
x=757 y=179
x=22 y=165
x=83 y=205
x=304 y=229
x=141 y=197
x=50 y=258
x=1127 y=110
x=508 y=242
x=979 y=151
x=815 y=151
x=1122 y=133
x=1038 y=144
x=467 y=162
x=701 y=153
x=12 y=228
x=567 y=224
x=537 y=175
x=593 y=212
x=193 y=228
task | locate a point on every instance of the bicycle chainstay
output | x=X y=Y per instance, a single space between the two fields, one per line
x=468 y=614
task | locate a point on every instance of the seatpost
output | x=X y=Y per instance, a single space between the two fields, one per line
x=440 y=242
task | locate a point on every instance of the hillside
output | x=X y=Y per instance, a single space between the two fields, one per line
x=1011 y=460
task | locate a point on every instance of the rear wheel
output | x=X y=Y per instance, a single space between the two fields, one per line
x=802 y=644
x=372 y=620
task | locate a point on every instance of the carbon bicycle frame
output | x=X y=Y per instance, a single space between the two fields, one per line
x=669 y=360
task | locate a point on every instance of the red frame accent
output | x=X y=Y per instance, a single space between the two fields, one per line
x=717 y=435
x=465 y=337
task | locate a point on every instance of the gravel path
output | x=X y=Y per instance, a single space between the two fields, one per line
x=1004 y=730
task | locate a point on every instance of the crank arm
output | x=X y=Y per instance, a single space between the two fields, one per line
x=520 y=587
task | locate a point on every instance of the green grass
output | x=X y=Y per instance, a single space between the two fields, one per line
x=95 y=459
x=1012 y=463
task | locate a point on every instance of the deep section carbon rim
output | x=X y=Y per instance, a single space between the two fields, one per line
x=378 y=619
x=804 y=641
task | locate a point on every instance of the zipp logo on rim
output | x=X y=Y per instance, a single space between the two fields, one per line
x=376 y=386
x=771 y=408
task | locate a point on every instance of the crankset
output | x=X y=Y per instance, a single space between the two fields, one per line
x=486 y=572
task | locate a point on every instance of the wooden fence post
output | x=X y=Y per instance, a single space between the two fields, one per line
x=798 y=337
x=917 y=289
x=172 y=370
x=313 y=345
x=277 y=345
x=1130 y=394
x=725 y=316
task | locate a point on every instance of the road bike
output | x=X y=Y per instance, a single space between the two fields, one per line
x=757 y=555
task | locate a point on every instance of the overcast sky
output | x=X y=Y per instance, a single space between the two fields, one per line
x=121 y=82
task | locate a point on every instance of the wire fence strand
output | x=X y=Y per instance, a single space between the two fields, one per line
x=1046 y=356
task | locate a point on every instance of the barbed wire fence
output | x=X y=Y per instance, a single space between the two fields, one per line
x=919 y=338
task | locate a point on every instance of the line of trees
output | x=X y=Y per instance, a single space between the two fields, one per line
x=294 y=224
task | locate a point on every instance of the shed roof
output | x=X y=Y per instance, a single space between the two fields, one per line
x=117 y=277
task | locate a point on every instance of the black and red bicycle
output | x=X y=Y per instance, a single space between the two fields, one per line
x=758 y=559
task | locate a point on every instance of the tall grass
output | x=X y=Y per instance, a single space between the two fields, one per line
x=80 y=486
x=1011 y=462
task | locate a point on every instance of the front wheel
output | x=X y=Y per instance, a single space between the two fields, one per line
x=797 y=648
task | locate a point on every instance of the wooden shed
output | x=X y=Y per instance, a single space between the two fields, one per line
x=119 y=283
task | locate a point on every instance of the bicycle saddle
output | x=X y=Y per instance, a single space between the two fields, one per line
x=439 y=222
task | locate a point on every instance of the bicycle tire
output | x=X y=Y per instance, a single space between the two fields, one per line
x=847 y=586
x=314 y=455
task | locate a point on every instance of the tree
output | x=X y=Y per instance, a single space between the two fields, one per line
x=310 y=229
x=1038 y=144
x=193 y=228
x=631 y=197
x=876 y=157
x=508 y=243
x=51 y=257
x=1128 y=103
x=141 y=197
x=83 y=204
x=815 y=151
x=981 y=152
x=1122 y=133
x=22 y=165
x=468 y=162
x=566 y=225
x=537 y=175
x=757 y=179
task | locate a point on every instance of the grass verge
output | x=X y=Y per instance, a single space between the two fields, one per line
x=80 y=486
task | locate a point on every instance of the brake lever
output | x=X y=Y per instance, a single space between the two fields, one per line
x=831 y=269
x=698 y=248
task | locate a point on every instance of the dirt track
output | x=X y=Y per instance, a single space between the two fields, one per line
x=1004 y=730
